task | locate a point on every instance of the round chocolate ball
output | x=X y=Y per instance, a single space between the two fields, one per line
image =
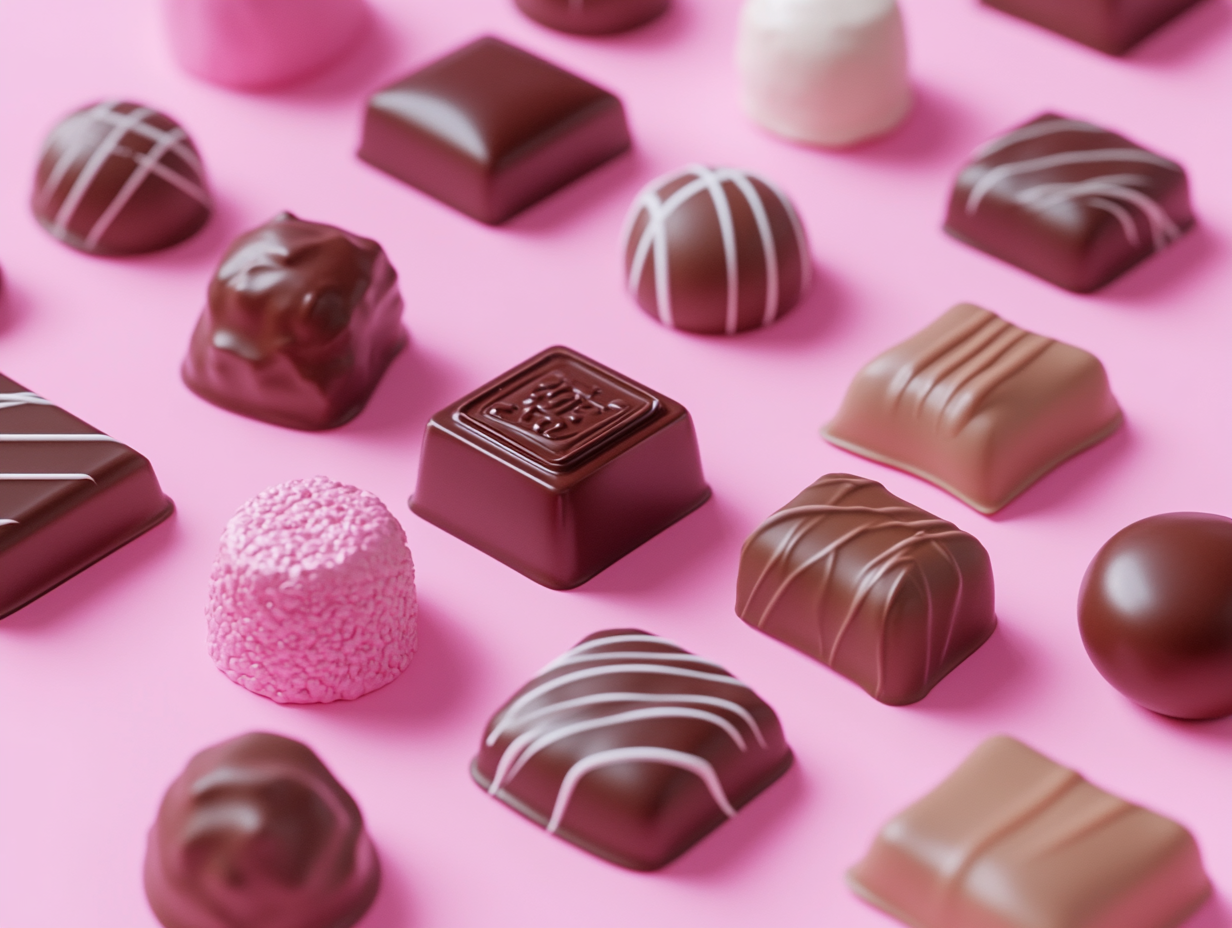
x=1155 y=612
x=592 y=17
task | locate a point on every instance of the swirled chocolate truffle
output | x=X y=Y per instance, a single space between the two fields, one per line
x=120 y=178
x=257 y=833
x=592 y=17
x=303 y=319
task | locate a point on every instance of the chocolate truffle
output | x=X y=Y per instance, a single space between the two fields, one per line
x=882 y=592
x=301 y=322
x=1155 y=611
x=715 y=250
x=976 y=405
x=1112 y=26
x=491 y=129
x=592 y=17
x=631 y=748
x=69 y=495
x=559 y=467
x=312 y=595
x=119 y=179
x=1012 y=840
x=257 y=833
x=1068 y=201
x=824 y=72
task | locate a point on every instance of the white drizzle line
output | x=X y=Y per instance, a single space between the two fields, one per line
x=9 y=522
x=769 y=249
x=47 y=477
x=93 y=165
x=727 y=231
x=75 y=142
x=1034 y=131
x=146 y=130
x=25 y=398
x=47 y=436
x=1106 y=188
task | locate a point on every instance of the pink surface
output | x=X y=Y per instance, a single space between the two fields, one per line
x=106 y=684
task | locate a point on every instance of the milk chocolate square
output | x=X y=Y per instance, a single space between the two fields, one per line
x=631 y=748
x=1068 y=201
x=1112 y=26
x=880 y=591
x=976 y=405
x=69 y=495
x=559 y=468
x=1013 y=840
x=491 y=129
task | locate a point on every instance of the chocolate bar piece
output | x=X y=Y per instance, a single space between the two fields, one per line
x=882 y=592
x=592 y=17
x=69 y=495
x=1013 y=840
x=559 y=468
x=1112 y=26
x=631 y=748
x=1068 y=201
x=491 y=129
x=976 y=405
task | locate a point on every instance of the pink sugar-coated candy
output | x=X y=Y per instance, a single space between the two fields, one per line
x=256 y=44
x=312 y=596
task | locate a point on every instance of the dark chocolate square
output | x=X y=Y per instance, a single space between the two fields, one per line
x=1112 y=26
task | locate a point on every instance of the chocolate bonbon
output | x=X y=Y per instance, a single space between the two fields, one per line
x=882 y=592
x=593 y=17
x=69 y=495
x=559 y=467
x=257 y=833
x=1110 y=27
x=631 y=748
x=1068 y=201
x=302 y=320
x=1013 y=840
x=1155 y=612
x=491 y=129
x=976 y=405
x=715 y=250
x=119 y=178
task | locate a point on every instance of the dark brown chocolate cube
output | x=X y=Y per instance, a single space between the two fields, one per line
x=491 y=129
x=559 y=468
x=1112 y=26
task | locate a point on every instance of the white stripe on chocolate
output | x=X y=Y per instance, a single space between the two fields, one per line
x=1035 y=130
x=9 y=522
x=1105 y=188
x=47 y=436
x=26 y=398
x=94 y=164
x=47 y=477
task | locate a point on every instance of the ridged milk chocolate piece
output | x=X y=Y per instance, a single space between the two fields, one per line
x=1113 y=26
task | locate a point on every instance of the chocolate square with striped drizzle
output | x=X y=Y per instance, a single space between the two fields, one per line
x=69 y=495
x=631 y=748
x=1070 y=202
x=976 y=405
x=1013 y=840
x=880 y=591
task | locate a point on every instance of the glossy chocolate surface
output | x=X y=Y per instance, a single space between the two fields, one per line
x=715 y=250
x=257 y=833
x=302 y=321
x=1112 y=26
x=882 y=592
x=631 y=748
x=491 y=129
x=69 y=495
x=1013 y=840
x=1155 y=612
x=559 y=467
x=1068 y=201
x=120 y=178
x=592 y=17
x=976 y=405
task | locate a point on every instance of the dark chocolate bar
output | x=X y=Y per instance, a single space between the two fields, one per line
x=1112 y=26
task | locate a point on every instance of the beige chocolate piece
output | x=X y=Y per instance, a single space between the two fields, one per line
x=1013 y=840
x=976 y=405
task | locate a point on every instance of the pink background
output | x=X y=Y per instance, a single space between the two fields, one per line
x=105 y=685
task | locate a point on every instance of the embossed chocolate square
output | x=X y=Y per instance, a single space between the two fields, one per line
x=1112 y=26
x=977 y=406
x=559 y=468
x=491 y=129
x=1068 y=201
x=1013 y=840
x=878 y=590
x=69 y=495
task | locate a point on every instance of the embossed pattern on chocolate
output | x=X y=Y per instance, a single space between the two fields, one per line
x=631 y=748
x=592 y=17
x=119 y=178
x=976 y=405
x=1113 y=27
x=1070 y=202
x=880 y=591
x=1013 y=840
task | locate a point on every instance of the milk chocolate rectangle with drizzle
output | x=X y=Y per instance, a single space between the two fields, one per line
x=631 y=748
x=882 y=592
x=1013 y=840
x=559 y=467
x=69 y=495
x=977 y=405
x=1112 y=26
x=1068 y=201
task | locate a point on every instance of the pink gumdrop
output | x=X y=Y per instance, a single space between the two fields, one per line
x=254 y=44
x=312 y=596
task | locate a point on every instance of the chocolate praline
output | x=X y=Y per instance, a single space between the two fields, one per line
x=1155 y=612
x=592 y=17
